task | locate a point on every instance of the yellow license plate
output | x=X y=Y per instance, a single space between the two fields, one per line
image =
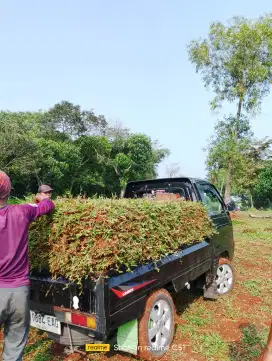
x=97 y=347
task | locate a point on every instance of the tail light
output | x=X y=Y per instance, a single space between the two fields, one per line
x=78 y=319
x=75 y=318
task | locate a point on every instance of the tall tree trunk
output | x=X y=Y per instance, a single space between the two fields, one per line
x=222 y=186
x=71 y=186
x=251 y=200
x=238 y=116
x=228 y=185
x=229 y=170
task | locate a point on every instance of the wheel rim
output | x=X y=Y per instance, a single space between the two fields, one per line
x=160 y=325
x=224 y=278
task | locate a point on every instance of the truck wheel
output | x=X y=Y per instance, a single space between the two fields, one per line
x=225 y=276
x=157 y=325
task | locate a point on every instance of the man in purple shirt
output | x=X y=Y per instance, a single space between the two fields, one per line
x=14 y=267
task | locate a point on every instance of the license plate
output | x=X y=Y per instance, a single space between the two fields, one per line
x=45 y=322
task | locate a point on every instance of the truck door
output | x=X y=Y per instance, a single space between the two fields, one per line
x=217 y=210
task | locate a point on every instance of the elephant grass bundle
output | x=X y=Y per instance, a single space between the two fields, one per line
x=89 y=238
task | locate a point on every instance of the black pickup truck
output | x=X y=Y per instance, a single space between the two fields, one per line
x=134 y=311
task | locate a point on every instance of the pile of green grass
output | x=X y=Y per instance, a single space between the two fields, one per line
x=89 y=238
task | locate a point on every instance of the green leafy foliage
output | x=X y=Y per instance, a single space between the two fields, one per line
x=74 y=151
x=263 y=188
x=235 y=145
x=235 y=61
x=70 y=120
x=18 y=144
x=228 y=143
x=92 y=237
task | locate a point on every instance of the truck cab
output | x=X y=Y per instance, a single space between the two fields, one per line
x=196 y=190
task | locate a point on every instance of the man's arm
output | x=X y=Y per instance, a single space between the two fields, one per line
x=44 y=206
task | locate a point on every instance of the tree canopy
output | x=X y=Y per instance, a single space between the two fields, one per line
x=236 y=61
x=73 y=150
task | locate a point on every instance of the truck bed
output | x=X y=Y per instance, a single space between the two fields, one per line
x=119 y=299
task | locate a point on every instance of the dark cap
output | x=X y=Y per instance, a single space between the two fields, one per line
x=44 y=189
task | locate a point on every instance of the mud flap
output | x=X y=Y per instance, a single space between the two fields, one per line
x=127 y=337
x=210 y=288
x=210 y=291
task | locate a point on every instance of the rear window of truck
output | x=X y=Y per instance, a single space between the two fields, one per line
x=147 y=189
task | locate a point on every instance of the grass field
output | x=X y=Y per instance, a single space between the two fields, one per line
x=233 y=328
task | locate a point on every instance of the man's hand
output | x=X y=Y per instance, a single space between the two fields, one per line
x=46 y=195
x=41 y=196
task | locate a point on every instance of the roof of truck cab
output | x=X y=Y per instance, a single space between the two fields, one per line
x=166 y=180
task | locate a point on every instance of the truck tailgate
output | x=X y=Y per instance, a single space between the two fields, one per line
x=47 y=293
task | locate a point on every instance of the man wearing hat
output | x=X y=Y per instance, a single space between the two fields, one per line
x=14 y=266
x=45 y=191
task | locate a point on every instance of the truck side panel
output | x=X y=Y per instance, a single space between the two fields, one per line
x=127 y=292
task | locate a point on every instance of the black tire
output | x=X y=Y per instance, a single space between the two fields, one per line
x=159 y=302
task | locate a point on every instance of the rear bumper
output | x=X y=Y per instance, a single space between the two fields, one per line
x=81 y=334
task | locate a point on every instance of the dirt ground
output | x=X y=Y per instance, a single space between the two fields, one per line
x=233 y=328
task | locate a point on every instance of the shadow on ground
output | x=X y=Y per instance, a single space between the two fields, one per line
x=185 y=298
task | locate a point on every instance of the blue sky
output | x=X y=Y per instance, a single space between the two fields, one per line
x=126 y=59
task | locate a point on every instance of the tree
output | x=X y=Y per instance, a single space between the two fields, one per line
x=18 y=147
x=74 y=151
x=236 y=62
x=117 y=132
x=132 y=157
x=255 y=157
x=228 y=144
x=135 y=157
x=262 y=192
x=67 y=118
x=59 y=164
x=93 y=167
x=247 y=154
x=172 y=170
